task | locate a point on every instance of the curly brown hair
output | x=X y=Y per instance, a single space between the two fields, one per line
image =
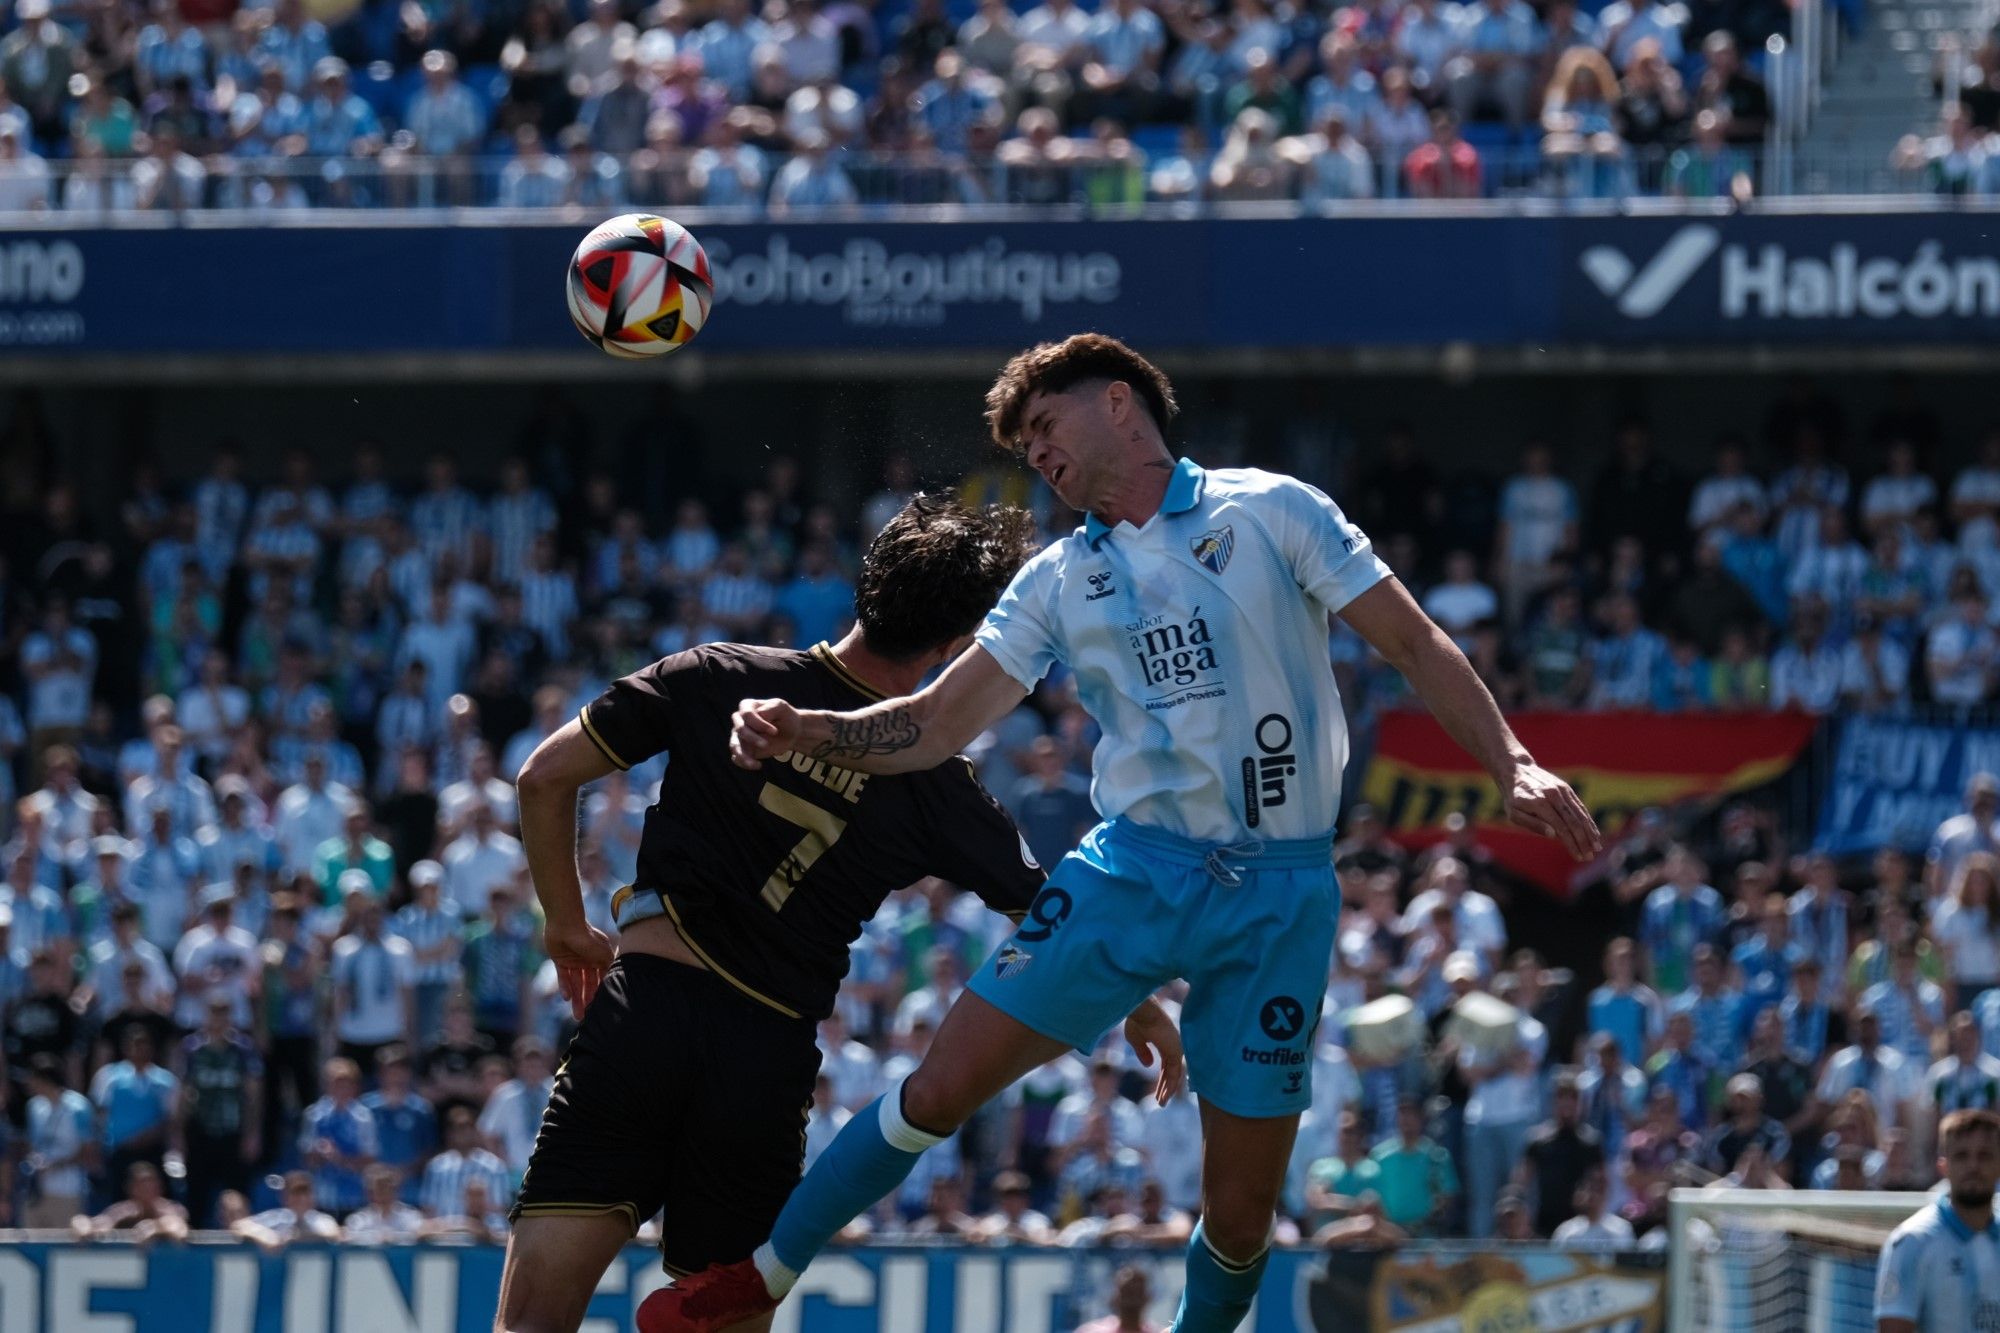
x=935 y=570
x=1057 y=367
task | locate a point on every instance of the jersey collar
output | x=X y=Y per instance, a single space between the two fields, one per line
x=822 y=653
x=1184 y=489
x=1956 y=1225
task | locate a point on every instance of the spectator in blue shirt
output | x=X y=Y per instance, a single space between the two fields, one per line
x=14 y=962
x=1975 y=829
x=338 y=1140
x=35 y=908
x=1754 y=560
x=1341 y=83
x=1716 y=1012
x=728 y=173
x=811 y=180
x=1812 y=1026
x=1764 y=962
x=168 y=48
x=296 y=43
x=338 y=123
x=1681 y=678
x=1680 y=914
x=1624 y=1008
x=1986 y=1012
x=499 y=963
x=445 y=123
x=61 y=1142
x=1624 y=24
x=1052 y=805
x=1613 y=1091
x=443 y=115
x=1679 y=1066
x=536 y=178
x=726 y=45
x=1911 y=1008
x=135 y=1104
x=406 y=1129
x=1819 y=916
x=1623 y=662
x=819 y=601
x=1498 y=41
x=952 y=102
x=1122 y=76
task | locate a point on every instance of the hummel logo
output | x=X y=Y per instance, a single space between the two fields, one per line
x=1645 y=295
x=1102 y=583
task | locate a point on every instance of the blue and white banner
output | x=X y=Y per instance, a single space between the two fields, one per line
x=1893 y=782
x=1376 y=280
x=233 y=1288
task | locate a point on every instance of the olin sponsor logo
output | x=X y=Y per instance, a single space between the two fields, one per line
x=1267 y=774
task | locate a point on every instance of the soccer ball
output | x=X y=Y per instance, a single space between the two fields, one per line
x=639 y=286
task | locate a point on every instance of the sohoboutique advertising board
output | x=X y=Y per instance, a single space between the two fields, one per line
x=893 y=286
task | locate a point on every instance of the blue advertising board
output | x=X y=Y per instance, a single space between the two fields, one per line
x=229 y=1287
x=1893 y=781
x=1500 y=280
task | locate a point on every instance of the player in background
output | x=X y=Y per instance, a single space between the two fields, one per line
x=689 y=1079
x=1192 y=607
x=1940 y=1271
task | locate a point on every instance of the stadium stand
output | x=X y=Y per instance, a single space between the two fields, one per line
x=808 y=106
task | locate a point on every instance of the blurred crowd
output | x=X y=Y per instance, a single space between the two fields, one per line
x=807 y=105
x=269 y=953
x=1962 y=155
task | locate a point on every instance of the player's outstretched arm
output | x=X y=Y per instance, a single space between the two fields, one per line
x=547 y=789
x=904 y=735
x=1536 y=799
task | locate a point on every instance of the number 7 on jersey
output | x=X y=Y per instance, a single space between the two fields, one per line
x=823 y=829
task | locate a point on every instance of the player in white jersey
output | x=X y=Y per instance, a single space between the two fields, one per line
x=1940 y=1271
x=1192 y=609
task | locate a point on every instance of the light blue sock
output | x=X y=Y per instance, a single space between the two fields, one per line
x=1219 y=1290
x=870 y=1157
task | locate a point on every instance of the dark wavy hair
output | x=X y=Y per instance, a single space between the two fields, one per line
x=1058 y=367
x=935 y=570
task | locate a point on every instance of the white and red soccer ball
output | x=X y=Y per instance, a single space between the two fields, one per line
x=639 y=286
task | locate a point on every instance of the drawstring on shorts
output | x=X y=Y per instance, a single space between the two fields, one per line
x=1218 y=867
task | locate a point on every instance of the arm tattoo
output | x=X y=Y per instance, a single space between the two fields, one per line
x=869 y=733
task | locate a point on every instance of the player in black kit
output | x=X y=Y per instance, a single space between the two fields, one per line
x=689 y=1078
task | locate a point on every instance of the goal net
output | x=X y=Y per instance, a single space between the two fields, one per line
x=1778 y=1261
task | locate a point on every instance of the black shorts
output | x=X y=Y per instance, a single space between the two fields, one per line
x=679 y=1093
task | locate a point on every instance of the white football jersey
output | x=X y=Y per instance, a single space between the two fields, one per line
x=1939 y=1273
x=1199 y=645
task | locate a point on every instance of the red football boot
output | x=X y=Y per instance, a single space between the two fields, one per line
x=708 y=1302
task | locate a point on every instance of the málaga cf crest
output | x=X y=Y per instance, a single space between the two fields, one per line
x=1212 y=548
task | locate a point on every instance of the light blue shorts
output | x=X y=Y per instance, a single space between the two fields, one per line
x=1251 y=928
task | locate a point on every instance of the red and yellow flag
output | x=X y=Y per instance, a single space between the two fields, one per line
x=1619 y=763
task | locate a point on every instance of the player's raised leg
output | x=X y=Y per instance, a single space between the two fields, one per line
x=1243 y=1170
x=978 y=1052
x=553 y=1266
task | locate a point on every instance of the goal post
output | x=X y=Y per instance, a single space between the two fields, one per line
x=1777 y=1261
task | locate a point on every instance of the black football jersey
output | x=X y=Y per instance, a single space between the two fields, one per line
x=770 y=875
